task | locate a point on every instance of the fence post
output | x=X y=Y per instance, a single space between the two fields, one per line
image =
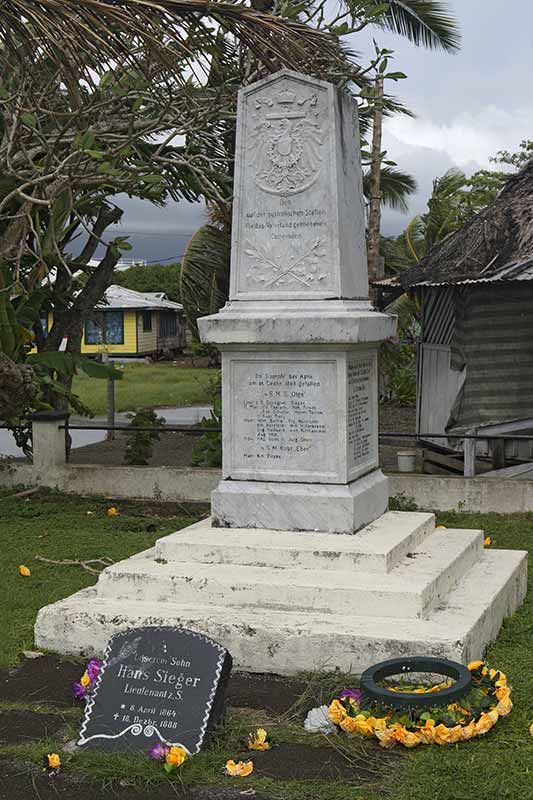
x=49 y=444
x=469 y=449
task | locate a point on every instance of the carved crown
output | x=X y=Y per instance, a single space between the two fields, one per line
x=286 y=97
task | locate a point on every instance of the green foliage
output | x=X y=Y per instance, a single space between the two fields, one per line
x=454 y=201
x=208 y=450
x=402 y=502
x=140 y=446
x=398 y=371
x=151 y=278
x=517 y=159
x=204 y=277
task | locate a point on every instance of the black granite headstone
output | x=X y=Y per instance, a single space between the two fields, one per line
x=157 y=685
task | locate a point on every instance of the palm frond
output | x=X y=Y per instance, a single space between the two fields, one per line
x=405 y=308
x=204 y=275
x=89 y=32
x=414 y=238
x=424 y=22
x=396 y=187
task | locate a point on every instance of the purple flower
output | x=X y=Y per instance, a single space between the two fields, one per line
x=352 y=694
x=93 y=669
x=159 y=751
x=79 y=691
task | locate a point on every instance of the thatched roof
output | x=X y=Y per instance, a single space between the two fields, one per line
x=500 y=235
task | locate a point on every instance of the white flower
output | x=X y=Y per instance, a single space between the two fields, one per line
x=318 y=721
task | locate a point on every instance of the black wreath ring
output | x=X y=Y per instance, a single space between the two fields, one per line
x=371 y=693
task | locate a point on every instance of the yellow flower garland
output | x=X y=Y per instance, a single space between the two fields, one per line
x=390 y=733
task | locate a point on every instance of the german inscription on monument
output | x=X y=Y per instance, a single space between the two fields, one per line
x=284 y=418
x=360 y=411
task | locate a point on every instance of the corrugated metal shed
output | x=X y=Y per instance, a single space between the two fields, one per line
x=513 y=271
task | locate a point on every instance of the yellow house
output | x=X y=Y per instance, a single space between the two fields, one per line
x=128 y=323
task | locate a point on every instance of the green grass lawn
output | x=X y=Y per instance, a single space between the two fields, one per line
x=148 y=385
x=494 y=767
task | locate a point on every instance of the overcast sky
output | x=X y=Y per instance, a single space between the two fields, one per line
x=468 y=106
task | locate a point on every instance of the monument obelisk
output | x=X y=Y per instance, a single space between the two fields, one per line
x=300 y=567
x=298 y=337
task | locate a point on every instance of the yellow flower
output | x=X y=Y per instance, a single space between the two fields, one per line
x=505 y=706
x=176 y=756
x=445 y=735
x=380 y=724
x=387 y=738
x=475 y=665
x=336 y=712
x=54 y=762
x=502 y=678
x=427 y=732
x=349 y=725
x=486 y=721
x=24 y=571
x=487 y=541
x=259 y=740
x=503 y=692
x=468 y=731
x=85 y=680
x=112 y=511
x=407 y=738
x=239 y=770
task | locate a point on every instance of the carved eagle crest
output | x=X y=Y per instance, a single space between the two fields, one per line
x=285 y=143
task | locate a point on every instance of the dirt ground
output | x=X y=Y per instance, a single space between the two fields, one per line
x=47 y=680
x=175 y=449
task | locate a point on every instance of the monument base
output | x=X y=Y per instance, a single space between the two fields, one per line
x=335 y=508
x=283 y=602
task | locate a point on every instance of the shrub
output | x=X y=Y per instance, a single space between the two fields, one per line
x=140 y=446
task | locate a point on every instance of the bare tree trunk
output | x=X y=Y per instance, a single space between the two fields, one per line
x=375 y=264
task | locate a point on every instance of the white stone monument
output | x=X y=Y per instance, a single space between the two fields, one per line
x=301 y=567
x=298 y=337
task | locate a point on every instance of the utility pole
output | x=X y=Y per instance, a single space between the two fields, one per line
x=375 y=262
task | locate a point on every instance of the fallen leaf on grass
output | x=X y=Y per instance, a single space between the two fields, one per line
x=24 y=571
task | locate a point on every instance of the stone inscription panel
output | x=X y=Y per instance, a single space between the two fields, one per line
x=284 y=420
x=283 y=241
x=361 y=422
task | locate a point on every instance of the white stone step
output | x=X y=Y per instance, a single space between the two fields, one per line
x=416 y=585
x=376 y=548
x=290 y=642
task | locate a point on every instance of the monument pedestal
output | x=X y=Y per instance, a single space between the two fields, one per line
x=334 y=508
x=285 y=602
x=299 y=343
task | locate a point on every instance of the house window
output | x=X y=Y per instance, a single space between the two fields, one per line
x=147 y=321
x=105 y=327
x=168 y=325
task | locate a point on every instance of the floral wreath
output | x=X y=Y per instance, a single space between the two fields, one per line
x=474 y=715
